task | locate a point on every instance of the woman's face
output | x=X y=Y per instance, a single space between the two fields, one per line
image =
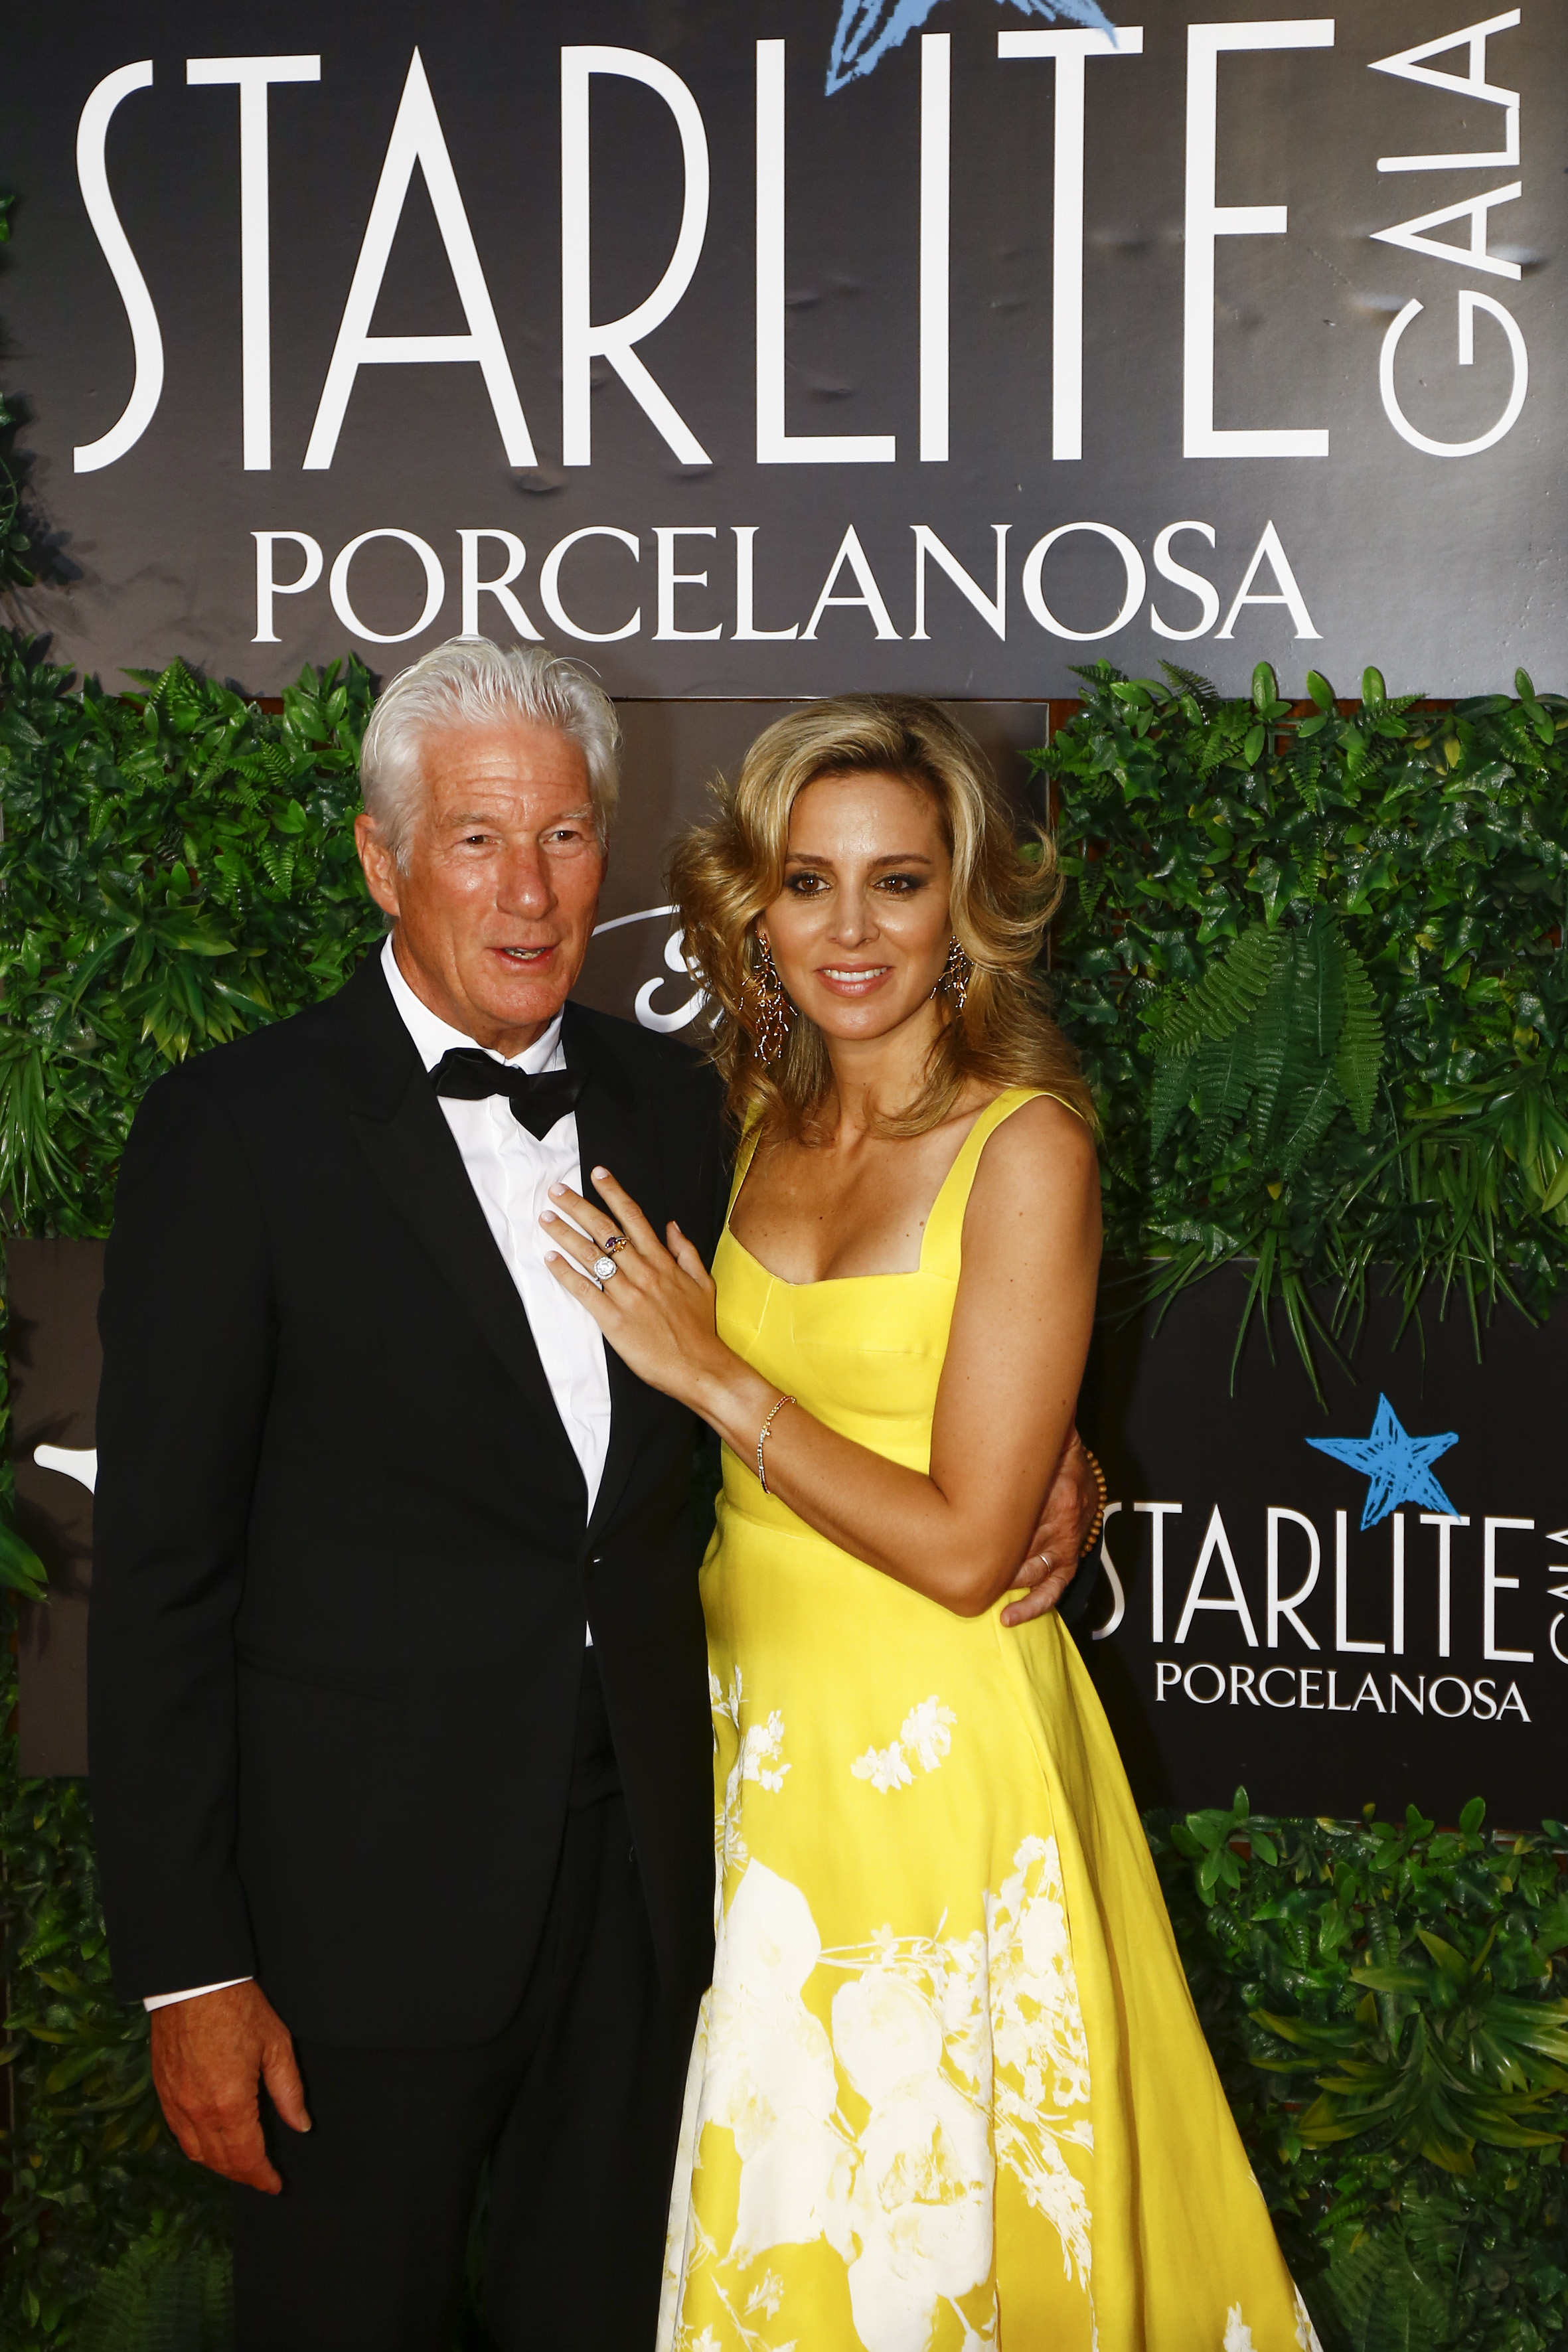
x=860 y=931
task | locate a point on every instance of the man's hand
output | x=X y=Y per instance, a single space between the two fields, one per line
x=208 y=2053
x=1055 y=1544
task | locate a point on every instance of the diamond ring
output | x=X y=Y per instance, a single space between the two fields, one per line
x=602 y=1269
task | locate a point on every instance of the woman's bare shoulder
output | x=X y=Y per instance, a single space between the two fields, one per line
x=1038 y=1167
x=1042 y=1142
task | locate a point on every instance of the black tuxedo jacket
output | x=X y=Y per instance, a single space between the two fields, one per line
x=342 y=1555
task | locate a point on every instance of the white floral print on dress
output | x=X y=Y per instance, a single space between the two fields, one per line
x=966 y=2052
x=757 y=1759
x=926 y=1734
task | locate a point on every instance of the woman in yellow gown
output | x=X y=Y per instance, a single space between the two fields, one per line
x=949 y=2090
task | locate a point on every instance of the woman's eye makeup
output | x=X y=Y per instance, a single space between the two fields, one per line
x=902 y=885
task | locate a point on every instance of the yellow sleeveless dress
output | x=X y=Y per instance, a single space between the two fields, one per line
x=949 y=2090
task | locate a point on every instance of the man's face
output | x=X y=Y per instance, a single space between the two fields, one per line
x=495 y=902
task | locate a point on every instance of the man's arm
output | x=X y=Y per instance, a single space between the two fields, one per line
x=1056 y=1547
x=187 y=1324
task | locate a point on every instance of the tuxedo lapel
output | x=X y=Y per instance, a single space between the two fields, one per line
x=397 y=1122
x=611 y=1134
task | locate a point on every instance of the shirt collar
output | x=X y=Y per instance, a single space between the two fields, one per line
x=433 y=1037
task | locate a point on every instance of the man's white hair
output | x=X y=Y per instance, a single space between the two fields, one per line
x=469 y=682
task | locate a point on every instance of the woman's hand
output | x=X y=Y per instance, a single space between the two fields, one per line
x=657 y=1309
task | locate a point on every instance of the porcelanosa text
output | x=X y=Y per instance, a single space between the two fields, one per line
x=1430 y=1605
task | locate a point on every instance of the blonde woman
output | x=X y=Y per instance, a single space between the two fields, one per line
x=949 y=2090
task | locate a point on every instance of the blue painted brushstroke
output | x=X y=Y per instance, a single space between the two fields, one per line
x=868 y=29
x=1396 y=1467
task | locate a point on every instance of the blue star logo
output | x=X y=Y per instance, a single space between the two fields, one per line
x=1398 y=1466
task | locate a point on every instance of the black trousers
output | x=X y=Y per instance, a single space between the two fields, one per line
x=575 y=2104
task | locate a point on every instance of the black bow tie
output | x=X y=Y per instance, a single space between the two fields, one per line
x=538 y=1099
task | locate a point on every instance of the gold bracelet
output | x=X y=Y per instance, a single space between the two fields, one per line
x=1093 y=1535
x=762 y=1440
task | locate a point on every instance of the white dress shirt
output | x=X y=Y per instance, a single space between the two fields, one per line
x=511 y=1172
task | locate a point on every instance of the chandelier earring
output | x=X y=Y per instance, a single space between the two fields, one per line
x=774 y=1012
x=956 y=974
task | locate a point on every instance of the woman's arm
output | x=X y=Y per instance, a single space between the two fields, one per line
x=1016 y=1356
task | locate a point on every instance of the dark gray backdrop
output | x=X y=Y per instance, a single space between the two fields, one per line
x=1445 y=570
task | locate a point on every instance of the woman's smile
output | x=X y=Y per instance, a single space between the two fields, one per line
x=852 y=980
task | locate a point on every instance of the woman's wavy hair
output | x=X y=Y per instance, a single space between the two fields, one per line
x=725 y=873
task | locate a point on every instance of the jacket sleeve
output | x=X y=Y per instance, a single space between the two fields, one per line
x=187 y=1321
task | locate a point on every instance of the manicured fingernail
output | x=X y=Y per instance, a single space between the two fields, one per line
x=598 y=1172
x=556 y=1189
x=548 y=1218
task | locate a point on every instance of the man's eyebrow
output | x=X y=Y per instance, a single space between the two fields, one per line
x=487 y=817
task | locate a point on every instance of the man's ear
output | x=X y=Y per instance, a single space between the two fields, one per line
x=380 y=867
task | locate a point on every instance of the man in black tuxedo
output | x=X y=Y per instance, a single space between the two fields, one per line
x=398 y=1691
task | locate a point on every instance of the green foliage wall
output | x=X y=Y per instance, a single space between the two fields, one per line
x=174 y=868
x=177 y=866
x=1386 y=2006
x=1316 y=964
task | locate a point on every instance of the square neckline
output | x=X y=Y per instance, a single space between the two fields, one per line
x=900 y=1274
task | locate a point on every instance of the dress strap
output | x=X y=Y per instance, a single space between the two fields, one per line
x=942 y=1251
x=743 y=1158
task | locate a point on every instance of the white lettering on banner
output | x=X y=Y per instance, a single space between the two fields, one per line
x=936 y=242
x=667 y=579
x=1476 y=211
x=146 y=337
x=992 y=610
x=254 y=77
x=1216 y=1542
x=1409 y=67
x=581 y=342
x=435 y=587
x=776 y=446
x=1341 y=1588
x=268 y=586
x=1298 y=1687
x=1285 y=1604
x=868 y=596
x=1412 y=235
x=1159 y=1513
x=550 y=587
x=1445 y=1523
x=747 y=629
x=1194 y=582
x=1034 y=595
x=1470 y=302
x=1071 y=51
x=852 y=553
x=1113 y=1578
x=418 y=137
x=1492 y=1584
x=1270 y=550
x=1315 y=1689
x=681 y=1015
x=1208 y=220
x=473 y=587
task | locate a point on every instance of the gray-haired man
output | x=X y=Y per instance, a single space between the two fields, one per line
x=400 y=1733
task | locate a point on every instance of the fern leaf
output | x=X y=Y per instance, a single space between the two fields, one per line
x=1305 y=1119
x=1358 y=1056
x=1273 y=1038
x=1226 y=999
x=1168 y=1097
x=1319 y=1009
x=1224 y=1071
